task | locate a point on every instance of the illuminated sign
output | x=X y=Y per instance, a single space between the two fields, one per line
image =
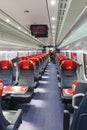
x=39 y=30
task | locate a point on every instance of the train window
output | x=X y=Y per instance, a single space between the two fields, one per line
x=74 y=56
x=85 y=64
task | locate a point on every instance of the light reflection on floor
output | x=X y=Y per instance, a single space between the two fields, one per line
x=38 y=103
x=43 y=82
x=45 y=77
x=41 y=90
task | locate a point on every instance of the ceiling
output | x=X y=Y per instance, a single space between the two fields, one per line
x=59 y=15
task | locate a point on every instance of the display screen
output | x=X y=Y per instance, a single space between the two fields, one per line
x=39 y=30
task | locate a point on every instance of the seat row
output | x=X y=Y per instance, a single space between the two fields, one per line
x=72 y=91
x=67 y=73
x=19 y=77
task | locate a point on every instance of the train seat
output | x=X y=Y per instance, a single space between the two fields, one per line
x=60 y=58
x=6 y=72
x=9 y=120
x=23 y=91
x=70 y=91
x=23 y=58
x=26 y=73
x=68 y=75
x=36 y=70
x=79 y=119
x=41 y=62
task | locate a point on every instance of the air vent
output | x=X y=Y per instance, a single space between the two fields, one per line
x=65 y=5
x=62 y=6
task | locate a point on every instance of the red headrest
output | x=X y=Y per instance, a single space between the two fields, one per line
x=5 y=64
x=69 y=65
x=35 y=60
x=24 y=58
x=26 y=64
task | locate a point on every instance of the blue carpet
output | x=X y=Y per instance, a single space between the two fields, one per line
x=45 y=111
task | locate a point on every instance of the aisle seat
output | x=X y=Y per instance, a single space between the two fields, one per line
x=9 y=119
x=68 y=75
x=6 y=72
x=36 y=70
x=25 y=81
x=79 y=119
x=26 y=73
x=70 y=91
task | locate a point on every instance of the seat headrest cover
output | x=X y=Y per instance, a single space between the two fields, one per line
x=25 y=64
x=35 y=60
x=5 y=64
x=69 y=65
x=23 y=58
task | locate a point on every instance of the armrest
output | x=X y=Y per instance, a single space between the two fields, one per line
x=66 y=120
x=15 y=83
x=16 y=120
x=76 y=99
x=18 y=115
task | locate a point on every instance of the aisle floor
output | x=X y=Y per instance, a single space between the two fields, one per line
x=45 y=111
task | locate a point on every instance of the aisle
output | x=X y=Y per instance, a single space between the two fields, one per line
x=45 y=111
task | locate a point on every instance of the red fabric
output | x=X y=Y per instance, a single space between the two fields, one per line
x=74 y=85
x=2 y=85
x=62 y=59
x=15 y=89
x=5 y=64
x=69 y=65
x=74 y=55
x=75 y=82
x=26 y=64
x=35 y=60
x=67 y=92
x=23 y=58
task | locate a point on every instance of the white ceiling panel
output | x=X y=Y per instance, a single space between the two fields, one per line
x=38 y=13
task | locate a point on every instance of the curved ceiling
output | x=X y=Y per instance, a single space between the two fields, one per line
x=27 y=12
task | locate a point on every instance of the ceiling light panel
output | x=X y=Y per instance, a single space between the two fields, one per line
x=7 y=20
x=53 y=2
x=53 y=14
x=53 y=18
